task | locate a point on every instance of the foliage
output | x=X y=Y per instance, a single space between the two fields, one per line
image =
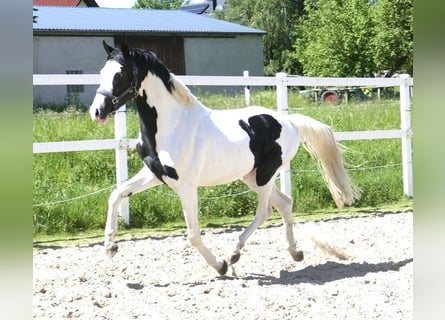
x=330 y=37
x=76 y=175
x=334 y=39
x=393 y=40
x=354 y=37
x=277 y=17
x=158 y=4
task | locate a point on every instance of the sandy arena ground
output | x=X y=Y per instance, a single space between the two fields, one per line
x=166 y=278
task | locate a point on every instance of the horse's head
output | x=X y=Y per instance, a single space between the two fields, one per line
x=118 y=84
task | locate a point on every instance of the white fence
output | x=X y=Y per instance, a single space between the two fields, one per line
x=121 y=143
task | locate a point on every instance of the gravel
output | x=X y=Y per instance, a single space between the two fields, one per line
x=164 y=277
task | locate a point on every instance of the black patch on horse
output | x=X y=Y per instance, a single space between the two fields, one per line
x=146 y=61
x=263 y=131
x=147 y=150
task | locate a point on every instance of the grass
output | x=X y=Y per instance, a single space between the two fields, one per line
x=375 y=166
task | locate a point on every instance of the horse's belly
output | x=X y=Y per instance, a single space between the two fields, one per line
x=223 y=167
x=215 y=180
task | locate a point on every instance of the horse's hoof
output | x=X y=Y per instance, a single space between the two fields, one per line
x=235 y=258
x=111 y=250
x=297 y=255
x=223 y=270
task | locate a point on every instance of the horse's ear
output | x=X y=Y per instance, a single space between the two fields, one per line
x=107 y=48
x=125 y=50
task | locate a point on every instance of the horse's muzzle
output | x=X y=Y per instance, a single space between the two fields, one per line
x=99 y=120
x=97 y=117
x=95 y=109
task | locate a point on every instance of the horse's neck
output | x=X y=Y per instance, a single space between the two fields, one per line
x=182 y=93
x=170 y=108
x=158 y=93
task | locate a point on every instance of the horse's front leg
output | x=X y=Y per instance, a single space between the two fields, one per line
x=143 y=180
x=189 y=201
x=263 y=211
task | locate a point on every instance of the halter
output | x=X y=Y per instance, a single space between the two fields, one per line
x=130 y=91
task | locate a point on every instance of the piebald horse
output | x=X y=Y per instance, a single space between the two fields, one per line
x=184 y=145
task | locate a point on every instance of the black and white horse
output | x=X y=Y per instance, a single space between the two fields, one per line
x=184 y=145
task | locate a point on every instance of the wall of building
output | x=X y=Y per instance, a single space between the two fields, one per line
x=224 y=57
x=216 y=56
x=59 y=55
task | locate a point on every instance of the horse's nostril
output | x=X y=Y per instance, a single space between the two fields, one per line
x=97 y=113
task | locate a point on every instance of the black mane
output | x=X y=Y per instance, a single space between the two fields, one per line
x=144 y=61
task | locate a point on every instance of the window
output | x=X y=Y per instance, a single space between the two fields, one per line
x=76 y=88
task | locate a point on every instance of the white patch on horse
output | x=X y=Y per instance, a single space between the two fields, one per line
x=107 y=74
x=165 y=158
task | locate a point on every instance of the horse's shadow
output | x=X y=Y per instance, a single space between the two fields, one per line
x=327 y=272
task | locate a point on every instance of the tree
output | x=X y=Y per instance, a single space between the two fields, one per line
x=393 y=40
x=158 y=4
x=277 y=18
x=334 y=39
x=342 y=38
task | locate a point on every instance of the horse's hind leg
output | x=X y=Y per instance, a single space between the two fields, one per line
x=143 y=180
x=283 y=204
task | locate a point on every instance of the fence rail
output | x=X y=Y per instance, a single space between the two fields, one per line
x=281 y=81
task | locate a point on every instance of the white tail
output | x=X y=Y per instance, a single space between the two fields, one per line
x=318 y=139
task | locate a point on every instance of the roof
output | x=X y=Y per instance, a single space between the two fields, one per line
x=64 y=3
x=198 y=8
x=118 y=20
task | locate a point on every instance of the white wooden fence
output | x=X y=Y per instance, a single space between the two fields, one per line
x=121 y=143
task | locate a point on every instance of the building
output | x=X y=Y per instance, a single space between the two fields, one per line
x=68 y=40
x=202 y=6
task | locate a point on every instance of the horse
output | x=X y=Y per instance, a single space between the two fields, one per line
x=184 y=144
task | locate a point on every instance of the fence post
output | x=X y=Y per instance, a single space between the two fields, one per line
x=405 y=116
x=283 y=108
x=246 y=88
x=120 y=133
